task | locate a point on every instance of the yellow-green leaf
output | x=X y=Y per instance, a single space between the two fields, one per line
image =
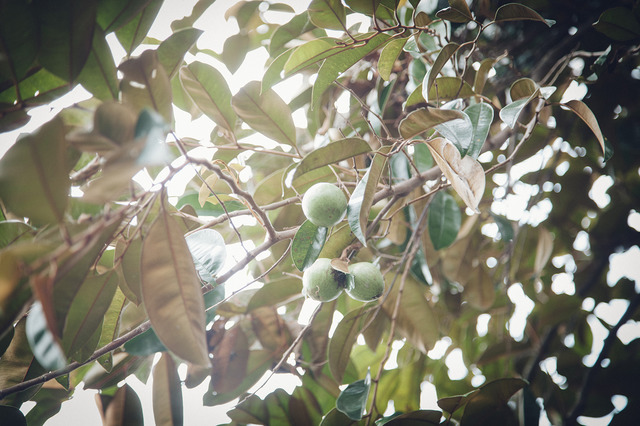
x=332 y=153
x=87 y=310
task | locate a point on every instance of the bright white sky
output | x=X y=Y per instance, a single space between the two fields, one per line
x=81 y=410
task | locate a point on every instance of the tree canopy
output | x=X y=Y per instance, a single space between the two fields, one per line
x=488 y=157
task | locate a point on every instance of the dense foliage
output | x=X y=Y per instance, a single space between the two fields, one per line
x=469 y=142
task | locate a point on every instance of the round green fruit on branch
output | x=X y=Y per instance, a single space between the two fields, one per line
x=324 y=204
x=367 y=284
x=321 y=282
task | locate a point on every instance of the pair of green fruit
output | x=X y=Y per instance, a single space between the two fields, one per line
x=323 y=283
x=325 y=205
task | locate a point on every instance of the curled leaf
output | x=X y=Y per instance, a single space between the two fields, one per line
x=465 y=174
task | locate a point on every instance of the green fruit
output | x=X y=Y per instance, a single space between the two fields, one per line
x=324 y=204
x=368 y=283
x=321 y=282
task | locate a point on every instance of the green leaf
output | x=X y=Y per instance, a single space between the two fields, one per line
x=112 y=14
x=111 y=327
x=352 y=401
x=37 y=165
x=522 y=88
x=12 y=416
x=167 y=392
x=510 y=113
x=235 y=50
x=87 y=310
x=130 y=268
x=19 y=46
x=208 y=89
x=423 y=119
x=519 y=12
x=48 y=401
x=145 y=84
x=144 y=344
x=481 y=116
x=208 y=251
x=422 y=157
x=275 y=293
x=265 y=112
x=331 y=153
x=488 y=405
x=619 y=24
x=414 y=418
x=66 y=33
x=259 y=362
x=43 y=344
x=171 y=291
x=328 y=14
x=444 y=220
x=336 y=418
x=457 y=12
x=361 y=199
x=459 y=132
x=417 y=321
x=133 y=32
x=452 y=404
x=344 y=337
x=338 y=63
x=297 y=26
x=482 y=73
x=581 y=109
x=171 y=51
x=273 y=74
x=307 y=244
x=311 y=53
x=124 y=404
x=447 y=88
x=13 y=231
x=199 y=8
x=388 y=56
x=99 y=73
x=504 y=226
x=443 y=57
